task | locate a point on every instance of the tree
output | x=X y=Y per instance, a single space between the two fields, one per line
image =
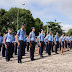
x=38 y=25
x=54 y=27
x=69 y=32
x=9 y=19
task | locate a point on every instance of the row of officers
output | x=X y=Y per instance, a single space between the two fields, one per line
x=10 y=42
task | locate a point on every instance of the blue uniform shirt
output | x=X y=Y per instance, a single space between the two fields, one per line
x=46 y=39
x=56 y=38
x=52 y=39
x=32 y=36
x=71 y=38
x=27 y=39
x=24 y=38
x=49 y=37
x=41 y=36
x=0 y=39
x=21 y=34
x=13 y=39
x=68 y=38
x=62 y=37
x=8 y=37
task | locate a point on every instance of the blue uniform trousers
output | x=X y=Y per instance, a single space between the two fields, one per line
x=3 y=50
x=27 y=46
x=32 y=49
x=15 y=49
x=56 y=46
x=49 y=47
x=8 y=51
x=20 y=50
x=41 y=47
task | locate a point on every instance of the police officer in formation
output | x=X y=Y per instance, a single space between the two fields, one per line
x=32 y=43
x=20 y=42
x=10 y=42
x=41 y=42
x=0 y=41
x=56 y=42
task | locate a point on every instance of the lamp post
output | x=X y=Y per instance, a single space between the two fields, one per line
x=18 y=16
x=47 y=27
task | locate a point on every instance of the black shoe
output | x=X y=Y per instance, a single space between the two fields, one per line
x=41 y=56
x=57 y=53
x=7 y=60
x=20 y=62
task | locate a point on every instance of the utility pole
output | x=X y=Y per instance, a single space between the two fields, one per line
x=18 y=16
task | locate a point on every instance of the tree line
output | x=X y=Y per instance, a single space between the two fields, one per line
x=8 y=19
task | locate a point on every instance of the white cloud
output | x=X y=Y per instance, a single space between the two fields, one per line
x=66 y=27
x=48 y=6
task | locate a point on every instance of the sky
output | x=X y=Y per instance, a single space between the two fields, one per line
x=46 y=10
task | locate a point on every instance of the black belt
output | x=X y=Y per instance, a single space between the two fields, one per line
x=21 y=40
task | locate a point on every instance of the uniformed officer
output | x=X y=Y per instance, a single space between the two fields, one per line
x=12 y=48
x=65 y=45
x=27 y=41
x=3 y=46
x=49 y=37
x=32 y=43
x=24 y=45
x=68 y=41
x=8 y=43
x=0 y=41
x=20 y=41
x=15 y=46
x=52 y=43
x=38 y=44
x=71 y=42
x=41 y=42
x=56 y=42
x=46 y=43
x=62 y=43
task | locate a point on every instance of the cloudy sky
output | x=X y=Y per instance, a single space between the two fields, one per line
x=46 y=10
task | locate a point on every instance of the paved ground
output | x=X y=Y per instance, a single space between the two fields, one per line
x=54 y=63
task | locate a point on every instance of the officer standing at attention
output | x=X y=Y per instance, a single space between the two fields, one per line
x=15 y=46
x=71 y=42
x=8 y=44
x=24 y=45
x=56 y=42
x=20 y=41
x=41 y=42
x=32 y=43
x=38 y=44
x=62 y=43
x=46 y=43
x=52 y=43
x=27 y=42
x=3 y=46
x=0 y=41
x=49 y=37
x=13 y=40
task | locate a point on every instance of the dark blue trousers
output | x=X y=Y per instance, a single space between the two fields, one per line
x=15 y=48
x=27 y=46
x=3 y=50
x=20 y=50
x=56 y=46
x=41 y=48
x=32 y=49
x=0 y=47
x=8 y=51
x=49 y=47
x=71 y=45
